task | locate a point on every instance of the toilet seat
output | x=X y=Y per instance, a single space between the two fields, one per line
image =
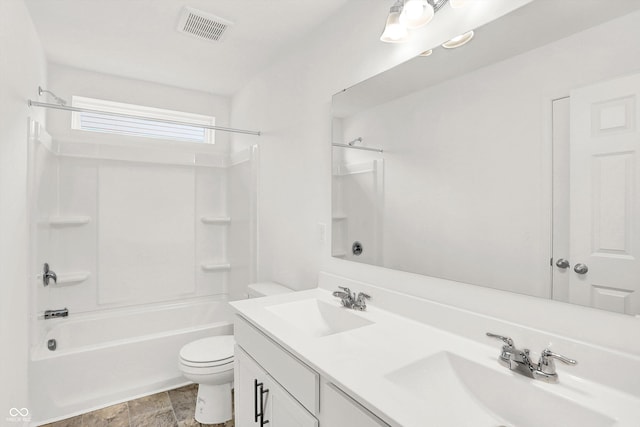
x=209 y=352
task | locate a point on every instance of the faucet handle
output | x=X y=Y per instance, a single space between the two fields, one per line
x=508 y=341
x=345 y=289
x=360 y=302
x=547 y=354
x=361 y=297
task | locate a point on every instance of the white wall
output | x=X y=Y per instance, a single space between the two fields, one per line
x=290 y=103
x=22 y=69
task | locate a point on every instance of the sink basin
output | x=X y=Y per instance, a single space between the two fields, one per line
x=317 y=318
x=459 y=392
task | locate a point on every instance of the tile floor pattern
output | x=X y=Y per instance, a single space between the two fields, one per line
x=173 y=408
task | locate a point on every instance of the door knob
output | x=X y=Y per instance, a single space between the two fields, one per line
x=581 y=268
x=562 y=263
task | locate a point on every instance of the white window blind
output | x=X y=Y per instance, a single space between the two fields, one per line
x=141 y=127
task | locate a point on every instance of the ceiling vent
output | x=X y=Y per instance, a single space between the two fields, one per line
x=203 y=25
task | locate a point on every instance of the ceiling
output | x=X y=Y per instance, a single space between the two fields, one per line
x=138 y=38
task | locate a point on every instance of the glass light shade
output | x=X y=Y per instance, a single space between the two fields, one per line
x=394 y=31
x=458 y=41
x=416 y=14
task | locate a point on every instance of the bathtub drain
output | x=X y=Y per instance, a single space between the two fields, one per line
x=51 y=345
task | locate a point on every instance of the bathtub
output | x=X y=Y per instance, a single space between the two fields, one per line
x=116 y=355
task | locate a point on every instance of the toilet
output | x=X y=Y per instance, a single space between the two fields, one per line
x=209 y=363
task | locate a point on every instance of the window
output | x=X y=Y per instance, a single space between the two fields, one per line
x=142 y=127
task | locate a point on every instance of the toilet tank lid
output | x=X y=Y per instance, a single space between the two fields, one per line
x=267 y=288
x=208 y=349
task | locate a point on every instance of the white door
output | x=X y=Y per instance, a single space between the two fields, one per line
x=605 y=195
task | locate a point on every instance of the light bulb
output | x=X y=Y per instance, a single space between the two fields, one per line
x=394 y=31
x=416 y=14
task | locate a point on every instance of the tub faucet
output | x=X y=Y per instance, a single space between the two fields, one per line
x=519 y=361
x=48 y=274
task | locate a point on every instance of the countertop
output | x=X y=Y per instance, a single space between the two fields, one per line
x=362 y=362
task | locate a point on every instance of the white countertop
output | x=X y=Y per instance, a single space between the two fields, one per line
x=359 y=361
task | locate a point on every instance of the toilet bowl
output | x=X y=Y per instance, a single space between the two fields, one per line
x=209 y=363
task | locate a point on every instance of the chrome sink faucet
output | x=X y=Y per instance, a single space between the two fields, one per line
x=351 y=300
x=519 y=361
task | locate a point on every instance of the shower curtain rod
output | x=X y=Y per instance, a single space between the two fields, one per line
x=131 y=116
x=377 y=150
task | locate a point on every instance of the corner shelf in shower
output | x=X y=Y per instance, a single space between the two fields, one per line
x=68 y=221
x=339 y=254
x=215 y=219
x=72 y=278
x=215 y=266
x=339 y=217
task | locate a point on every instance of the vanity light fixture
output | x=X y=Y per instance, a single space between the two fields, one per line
x=458 y=41
x=407 y=15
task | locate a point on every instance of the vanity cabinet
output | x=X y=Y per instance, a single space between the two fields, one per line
x=276 y=389
x=272 y=387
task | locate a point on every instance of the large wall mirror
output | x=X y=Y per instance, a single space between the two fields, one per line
x=511 y=162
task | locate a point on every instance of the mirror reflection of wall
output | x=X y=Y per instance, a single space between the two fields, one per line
x=469 y=161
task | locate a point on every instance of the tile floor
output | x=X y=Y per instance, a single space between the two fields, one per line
x=173 y=408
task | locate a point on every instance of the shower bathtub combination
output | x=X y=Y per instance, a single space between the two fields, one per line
x=147 y=243
x=113 y=357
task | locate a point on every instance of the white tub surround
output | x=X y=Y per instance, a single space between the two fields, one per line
x=379 y=352
x=116 y=355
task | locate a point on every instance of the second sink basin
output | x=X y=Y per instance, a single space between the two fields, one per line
x=317 y=318
x=459 y=392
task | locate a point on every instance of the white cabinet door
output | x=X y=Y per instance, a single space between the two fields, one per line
x=285 y=411
x=261 y=401
x=340 y=410
x=605 y=195
x=247 y=399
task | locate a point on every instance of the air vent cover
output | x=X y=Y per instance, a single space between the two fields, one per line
x=202 y=25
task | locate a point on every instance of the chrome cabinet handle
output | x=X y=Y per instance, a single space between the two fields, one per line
x=563 y=263
x=581 y=268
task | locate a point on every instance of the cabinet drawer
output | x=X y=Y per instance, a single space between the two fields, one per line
x=298 y=379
